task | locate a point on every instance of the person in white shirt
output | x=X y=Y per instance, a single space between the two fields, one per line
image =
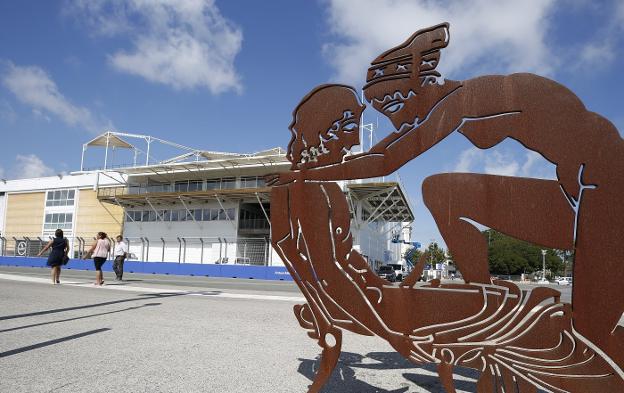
x=121 y=252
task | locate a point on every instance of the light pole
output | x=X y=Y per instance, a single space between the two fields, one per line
x=543 y=264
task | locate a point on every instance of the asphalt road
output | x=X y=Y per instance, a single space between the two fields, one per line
x=178 y=334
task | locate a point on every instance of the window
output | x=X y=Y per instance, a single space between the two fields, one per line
x=54 y=221
x=228 y=183
x=181 y=186
x=60 y=198
x=252 y=182
x=164 y=187
x=213 y=184
x=227 y=214
x=249 y=182
x=195 y=185
x=189 y=185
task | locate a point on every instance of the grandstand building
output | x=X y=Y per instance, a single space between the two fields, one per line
x=198 y=206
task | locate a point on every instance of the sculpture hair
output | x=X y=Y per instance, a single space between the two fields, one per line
x=316 y=121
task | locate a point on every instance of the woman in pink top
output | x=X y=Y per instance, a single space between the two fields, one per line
x=99 y=250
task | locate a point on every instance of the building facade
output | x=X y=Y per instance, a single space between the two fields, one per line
x=197 y=207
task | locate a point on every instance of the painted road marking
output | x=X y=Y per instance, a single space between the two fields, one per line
x=204 y=293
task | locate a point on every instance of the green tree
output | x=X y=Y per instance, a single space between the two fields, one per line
x=507 y=255
x=436 y=254
x=414 y=254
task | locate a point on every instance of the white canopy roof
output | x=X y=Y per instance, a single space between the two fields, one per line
x=110 y=140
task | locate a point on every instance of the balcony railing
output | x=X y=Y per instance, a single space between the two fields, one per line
x=184 y=186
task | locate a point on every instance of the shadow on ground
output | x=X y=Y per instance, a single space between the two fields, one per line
x=344 y=379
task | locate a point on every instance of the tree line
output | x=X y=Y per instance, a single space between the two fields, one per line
x=509 y=256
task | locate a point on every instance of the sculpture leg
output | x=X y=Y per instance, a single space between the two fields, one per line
x=598 y=287
x=486 y=383
x=331 y=342
x=416 y=272
x=445 y=372
x=528 y=209
x=329 y=338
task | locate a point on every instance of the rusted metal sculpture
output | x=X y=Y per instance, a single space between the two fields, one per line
x=519 y=340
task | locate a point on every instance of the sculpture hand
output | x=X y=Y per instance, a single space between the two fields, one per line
x=280 y=179
x=406 y=347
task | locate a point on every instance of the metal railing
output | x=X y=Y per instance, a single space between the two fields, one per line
x=184 y=186
x=31 y=246
x=219 y=250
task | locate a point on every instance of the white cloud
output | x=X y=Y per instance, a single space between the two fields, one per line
x=528 y=169
x=504 y=162
x=593 y=55
x=492 y=36
x=7 y=113
x=28 y=166
x=180 y=43
x=601 y=51
x=501 y=164
x=468 y=159
x=33 y=86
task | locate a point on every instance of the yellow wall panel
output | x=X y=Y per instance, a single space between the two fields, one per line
x=24 y=215
x=94 y=216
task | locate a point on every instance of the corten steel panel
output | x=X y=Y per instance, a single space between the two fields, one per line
x=519 y=340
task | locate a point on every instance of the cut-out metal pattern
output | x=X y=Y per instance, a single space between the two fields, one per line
x=519 y=340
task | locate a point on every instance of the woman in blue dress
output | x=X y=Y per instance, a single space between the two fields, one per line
x=58 y=256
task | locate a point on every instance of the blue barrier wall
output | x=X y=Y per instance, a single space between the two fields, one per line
x=181 y=269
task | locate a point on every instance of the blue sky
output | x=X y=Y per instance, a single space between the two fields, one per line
x=225 y=75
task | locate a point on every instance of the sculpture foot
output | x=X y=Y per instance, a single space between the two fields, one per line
x=445 y=372
x=331 y=342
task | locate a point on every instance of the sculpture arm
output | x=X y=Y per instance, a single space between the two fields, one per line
x=396 y=149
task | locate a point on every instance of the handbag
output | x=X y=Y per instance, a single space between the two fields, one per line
x=65 y=260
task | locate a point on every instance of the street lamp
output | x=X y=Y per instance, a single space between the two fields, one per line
x=543 y=264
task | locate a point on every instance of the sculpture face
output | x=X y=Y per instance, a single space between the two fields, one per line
x=325 y=126
x=397 y=101
x=402 y=82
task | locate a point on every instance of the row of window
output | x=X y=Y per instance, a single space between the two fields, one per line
x=54 y=221
x=60 y=198
x=199 y=185
x=181 y=215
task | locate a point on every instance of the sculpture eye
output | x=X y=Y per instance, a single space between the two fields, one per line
x=350 y=127
x=393 y=108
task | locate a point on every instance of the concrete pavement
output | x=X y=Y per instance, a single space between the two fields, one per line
x=179 y=334
x=157 y=336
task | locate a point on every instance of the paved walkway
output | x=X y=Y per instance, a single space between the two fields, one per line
x=177 y=334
